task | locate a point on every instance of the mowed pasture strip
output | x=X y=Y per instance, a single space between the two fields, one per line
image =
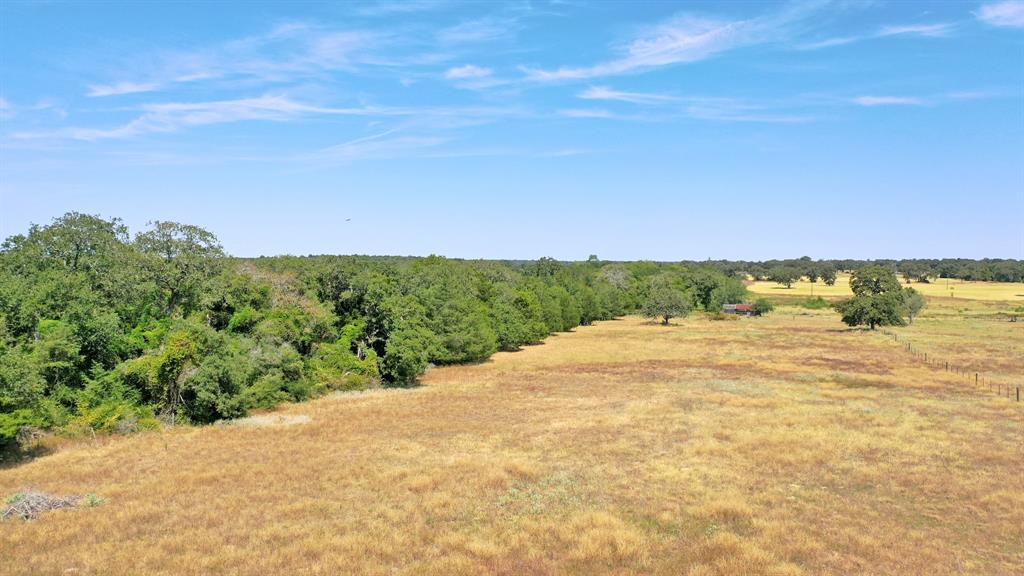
x=778 y=445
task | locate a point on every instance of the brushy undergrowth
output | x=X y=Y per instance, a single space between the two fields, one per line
x=29 y=505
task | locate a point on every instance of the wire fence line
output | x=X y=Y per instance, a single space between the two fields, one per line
x=980 y=380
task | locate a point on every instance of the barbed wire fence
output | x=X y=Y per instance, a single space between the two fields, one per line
x=980 y=380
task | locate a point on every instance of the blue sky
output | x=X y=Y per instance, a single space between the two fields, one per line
x=634 y=131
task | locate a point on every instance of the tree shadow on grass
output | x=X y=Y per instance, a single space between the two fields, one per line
x=12 y=456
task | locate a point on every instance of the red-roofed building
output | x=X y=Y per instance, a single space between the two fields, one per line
x=744 y=309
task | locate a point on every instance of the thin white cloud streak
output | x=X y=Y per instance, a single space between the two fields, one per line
x=733 y=110
x=379 y=146
x=686 y=39
x=606 y=93
x=841 y=41
x=99 y=90
x=1007 y=14
x=932 y=100
x=887 y=101
x=391 y=144
x=403 y=7
x=10 y=110
x=927 y=30
x=479 y=30
x=698 y=107
x=467 y=71
x=938 y=30
x=287 y=52
x=171 y=117
x=683 y=39
x=585 y=113
x=695 y=107
x=175 y=116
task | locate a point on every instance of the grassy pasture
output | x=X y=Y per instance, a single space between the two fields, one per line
x=953 y=289
x=781 y=445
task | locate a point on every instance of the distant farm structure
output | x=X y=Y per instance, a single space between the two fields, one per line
x=740 y=309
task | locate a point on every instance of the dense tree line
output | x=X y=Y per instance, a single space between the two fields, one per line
x=919 y=270
x=103 y=330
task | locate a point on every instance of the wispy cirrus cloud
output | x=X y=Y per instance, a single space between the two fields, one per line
x=829 y=42
x=173 y=116
x=386 y=144
x=390 y=8
x=119 y=88
x=935 y=30
x=479 y=30
x=685 y=38
x=585 y=113
x=710 y=108
x=467 y=71
x=938 y=30
x=739 y=110
x=286 y=52
x=1007 y=14
x=887 y=101
x=606 y=93
x=928 y=100
x=9 y=109
x=392 y=144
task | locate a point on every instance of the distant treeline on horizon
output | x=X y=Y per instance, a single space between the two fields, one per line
x=914 y=269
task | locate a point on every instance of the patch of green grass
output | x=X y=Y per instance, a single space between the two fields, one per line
x=15 y=498
x=93 y=500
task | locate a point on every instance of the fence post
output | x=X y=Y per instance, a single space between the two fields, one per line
x=975 y=378
x=1018 y=393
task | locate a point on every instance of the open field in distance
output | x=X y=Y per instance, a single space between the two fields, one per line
x=780 y=445
x=939 y=288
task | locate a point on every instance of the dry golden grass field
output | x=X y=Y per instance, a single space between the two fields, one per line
x=779 y=445
x=942 y=288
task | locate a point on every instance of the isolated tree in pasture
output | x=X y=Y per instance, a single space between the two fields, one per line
x=784 y=275
x=665 y=303
x=877 y=299
x=913 y=303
